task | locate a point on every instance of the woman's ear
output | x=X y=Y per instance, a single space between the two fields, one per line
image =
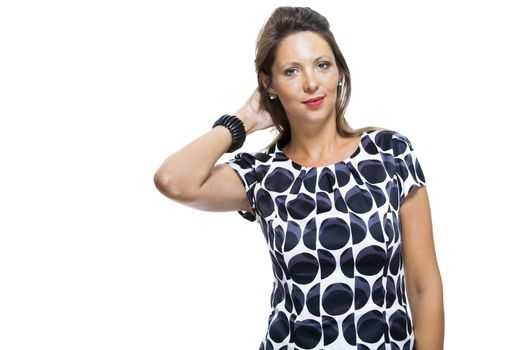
x=265 y=80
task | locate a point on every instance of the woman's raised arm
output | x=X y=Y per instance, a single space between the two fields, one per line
x=191 y=176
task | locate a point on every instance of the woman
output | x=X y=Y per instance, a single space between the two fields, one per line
x=345 y=212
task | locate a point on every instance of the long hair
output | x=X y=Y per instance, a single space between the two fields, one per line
x=282 y=22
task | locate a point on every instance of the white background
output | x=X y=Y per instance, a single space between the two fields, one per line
x=94 y=95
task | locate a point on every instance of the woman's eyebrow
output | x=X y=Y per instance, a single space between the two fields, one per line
x=294 y=63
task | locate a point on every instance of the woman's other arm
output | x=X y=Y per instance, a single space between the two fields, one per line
x=423 y=279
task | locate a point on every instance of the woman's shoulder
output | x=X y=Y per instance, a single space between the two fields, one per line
x=252 y=159
x=388 y=140
x=381 y=132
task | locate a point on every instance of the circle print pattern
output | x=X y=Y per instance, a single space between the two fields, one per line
x=334 y=239
x=337 y=299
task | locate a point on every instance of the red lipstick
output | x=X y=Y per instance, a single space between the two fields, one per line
x=314 y=102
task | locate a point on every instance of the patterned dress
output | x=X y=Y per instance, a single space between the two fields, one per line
x=334 y=238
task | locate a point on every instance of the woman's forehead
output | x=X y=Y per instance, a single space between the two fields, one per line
x=302 y=47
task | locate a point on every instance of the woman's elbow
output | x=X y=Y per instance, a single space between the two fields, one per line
x=431 y=283
x=171 y=187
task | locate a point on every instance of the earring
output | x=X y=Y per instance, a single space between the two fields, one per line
x=340 y=83
x=273 y=97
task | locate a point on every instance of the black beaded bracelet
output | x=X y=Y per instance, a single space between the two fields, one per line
x=236 y=127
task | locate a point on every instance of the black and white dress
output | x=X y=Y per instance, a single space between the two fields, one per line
x=334 y=238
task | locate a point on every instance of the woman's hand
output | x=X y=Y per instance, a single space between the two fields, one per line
x=253 y=117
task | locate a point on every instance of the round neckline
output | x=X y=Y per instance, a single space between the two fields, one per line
x=347 y=159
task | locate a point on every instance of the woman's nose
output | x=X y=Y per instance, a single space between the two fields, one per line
x=310 y=82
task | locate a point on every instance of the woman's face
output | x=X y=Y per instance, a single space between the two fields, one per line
x=305 y=69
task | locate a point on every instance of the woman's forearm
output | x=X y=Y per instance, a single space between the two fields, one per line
x=187 y=169
x=429 y=319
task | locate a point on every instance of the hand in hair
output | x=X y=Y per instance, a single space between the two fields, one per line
x=252 y=115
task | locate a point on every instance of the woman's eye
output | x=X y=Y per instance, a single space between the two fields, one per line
x=324 y=65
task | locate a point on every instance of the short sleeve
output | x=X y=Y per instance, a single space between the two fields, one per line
x=408 y=168
x=244 y=166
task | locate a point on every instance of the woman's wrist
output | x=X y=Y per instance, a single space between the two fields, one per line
x=249 y=125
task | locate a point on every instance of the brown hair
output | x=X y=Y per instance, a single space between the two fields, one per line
x=282 y=22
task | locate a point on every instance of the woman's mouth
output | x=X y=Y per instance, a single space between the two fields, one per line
x=314 y=102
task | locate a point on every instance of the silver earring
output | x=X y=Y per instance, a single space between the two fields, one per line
x=273 y=97
x=340 y=83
